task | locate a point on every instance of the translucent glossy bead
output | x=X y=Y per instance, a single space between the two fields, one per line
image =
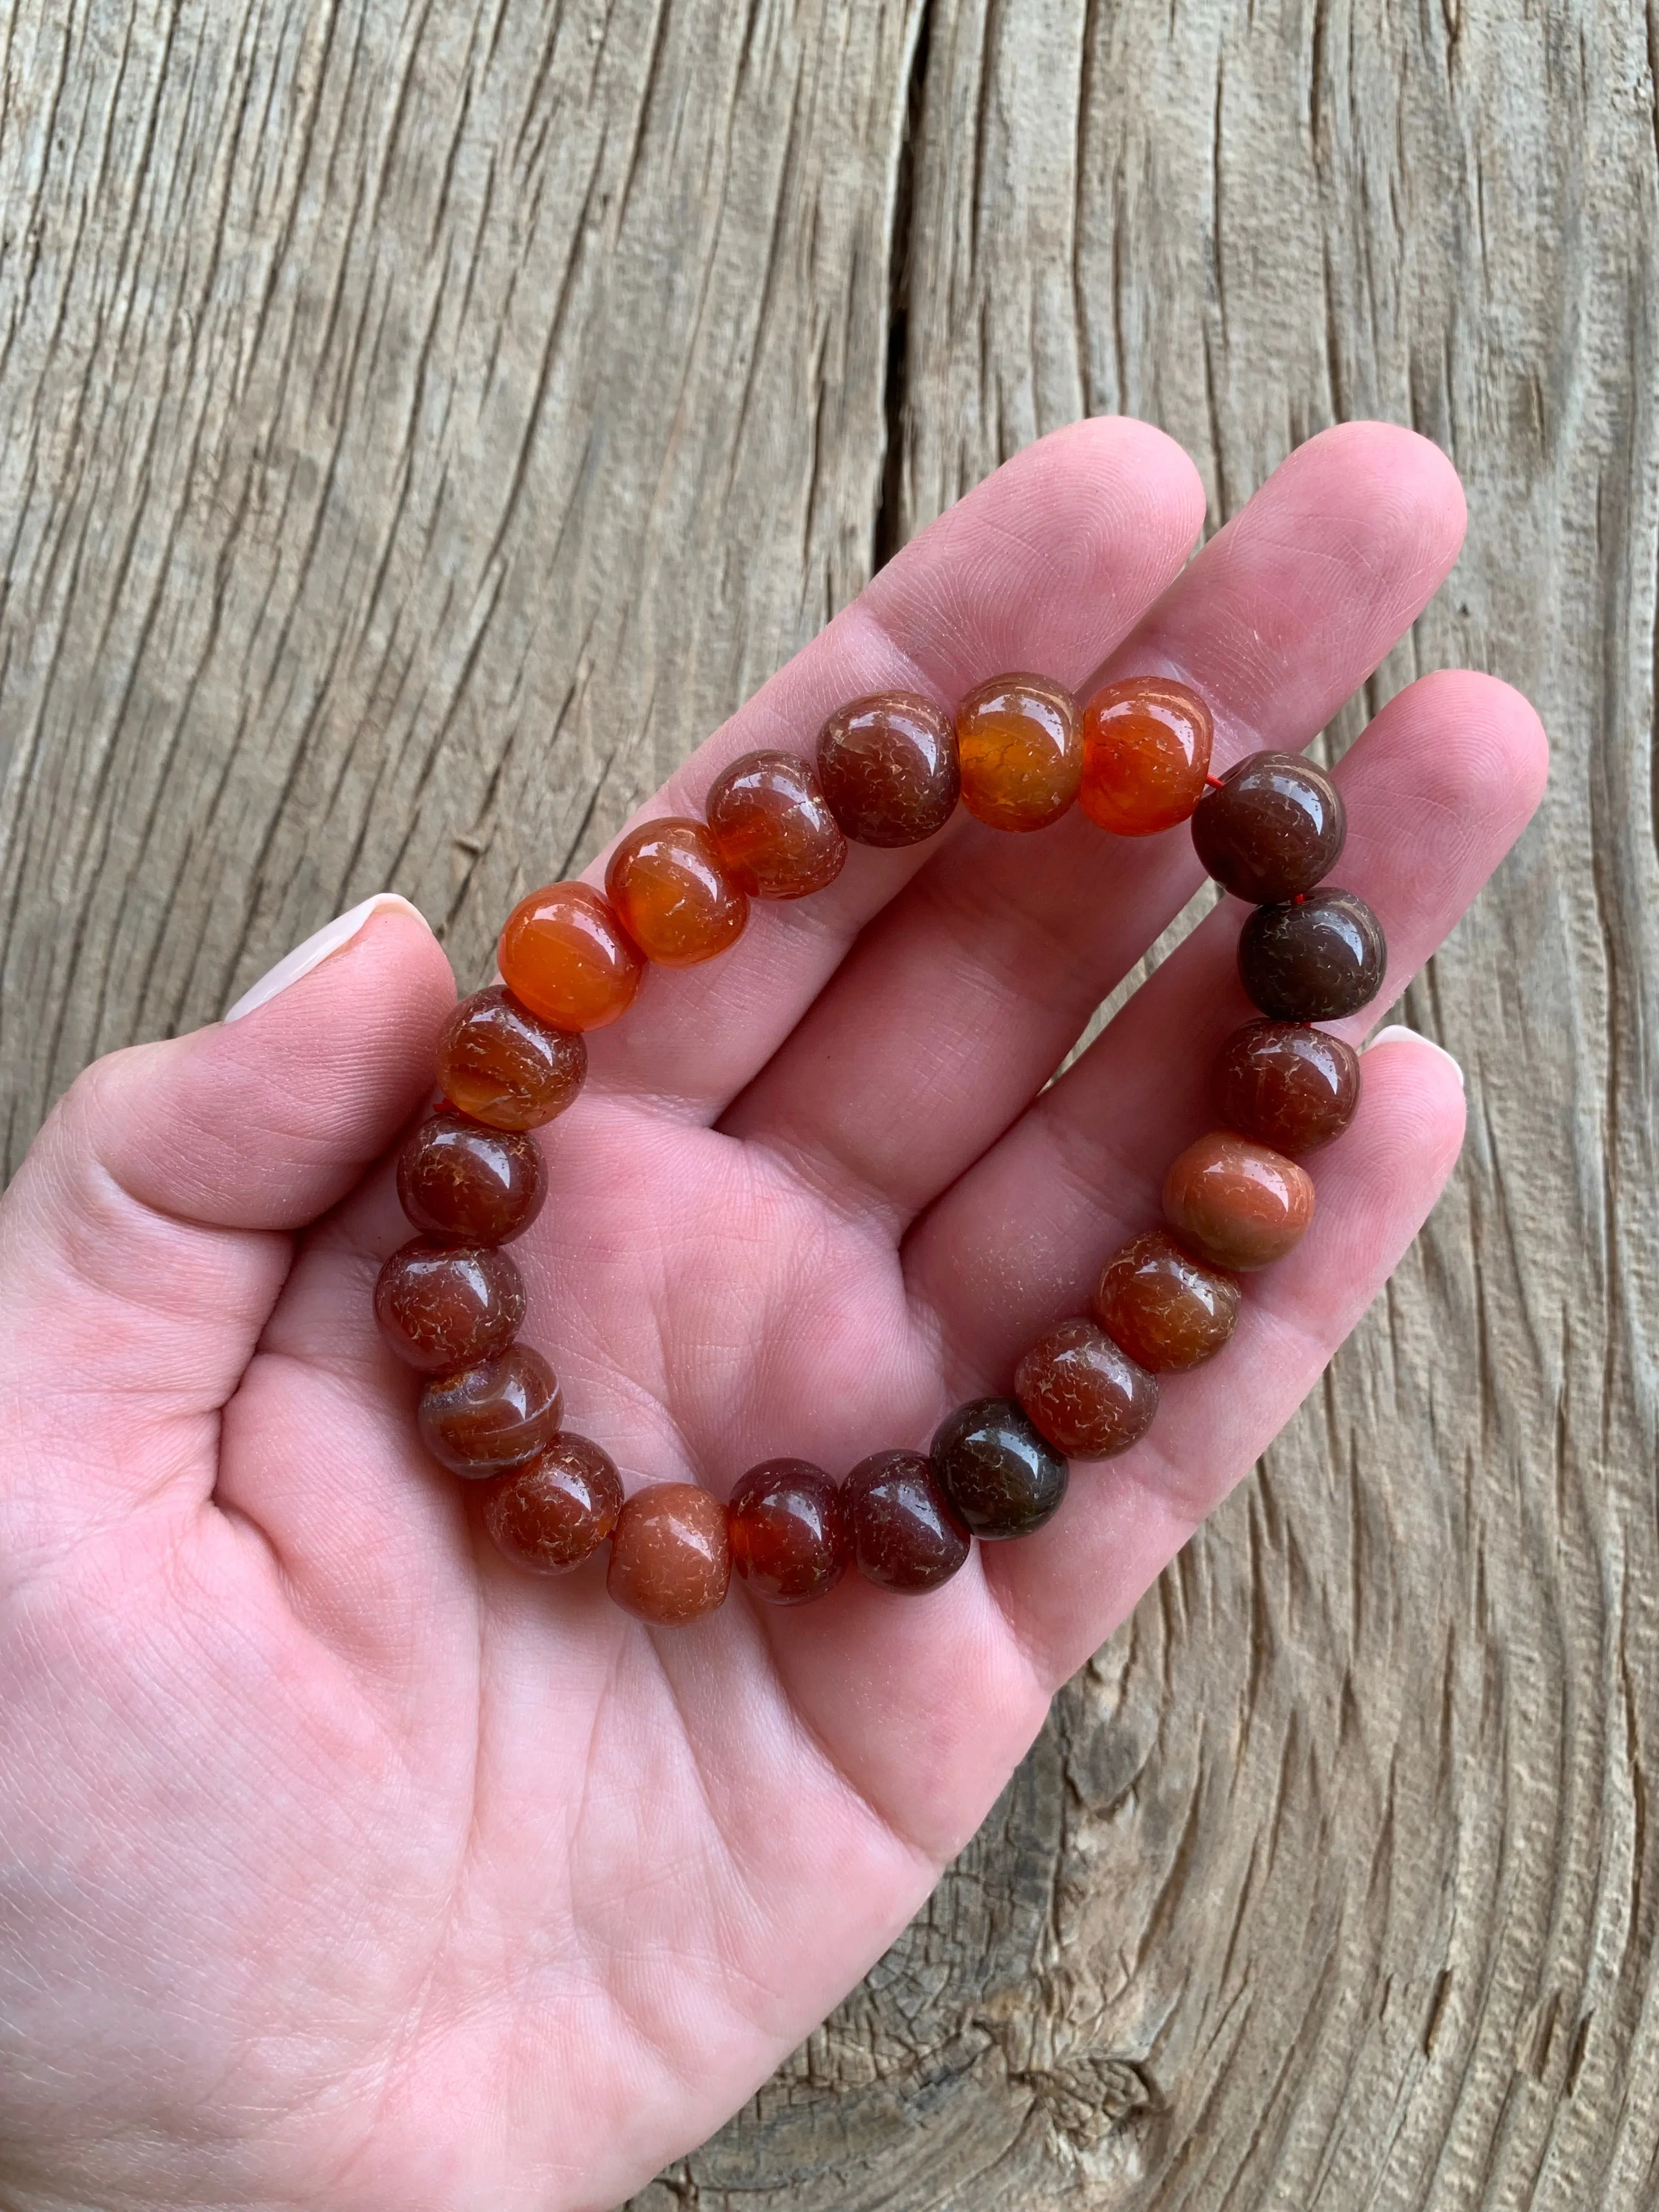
x=493 y=1415
x=670 y=1558
x=444 y=1306
x=1002 y=1478
x=1273 y=827
x=1287 y=1085
x=888 y=766
x=906 y=1535
x=790 y=1541
x=674 y=898
x=1021 y=752
x=458 y=1178
x=1315 y=960
x=1087 y=1397
x=564 y=953
x=1166 y=1309
x=1145 y=754
x=500 y=1064
x=554 y=1513
x=1236 y=1203
x=773 y=829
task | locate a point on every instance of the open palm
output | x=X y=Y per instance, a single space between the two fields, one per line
x=343 y=1865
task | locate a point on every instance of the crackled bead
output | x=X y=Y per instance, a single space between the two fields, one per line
x=790 y=1540
x=1166 y=1309
x=674 y=898
x=491 y=1415
x=502 y=1065
x=1237 y=1204
x=1315 y=960
x=888 y=766
x=773 y=829
x=1021 y=752
x=670 y=1561
x=906 y=1534
x=554 y=1513
x=1085 y=1396
x=1287 y=1085
x=564 y=953
x=446 y=1306
x=1002 y=1478
x=1145 y=754
x=1272 y=829
x=458 y=1178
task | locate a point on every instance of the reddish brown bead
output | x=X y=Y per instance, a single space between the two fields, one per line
x=888 y=766
x=458 y=1178
x=446 y=1306
x=1145 y=754
x=790 y=1540
x=674 y=898
x=1287 y=1085
x=1315 y=960
x=501 y=1065
x=906 y=1535
x=1087 y=1397
x=1236 y=1203
x=1271 y=827
x=494 y=1415
x=564 y=953
x=670 y=1558
x=1166 y=1309
x=773 y=829
x=1021 y=751
x=553 y=1514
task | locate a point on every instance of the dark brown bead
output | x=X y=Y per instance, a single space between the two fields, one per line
x=501 y=1064
x=444 y=1306
x=1288 y=1086
x=672 y=894
x=1166 y=1309
x=1236 y=1203
x=1088 y=1398
x=494 y=1415
x=553 y=1514
x=1003 y=1479
x=458 y=1178
x=888 y=766
x=670 y=1558
x=1273 y=827
x=906 y=1535
x=1020 y=751
x=773 y=829
x=790 y=1540
x=1315 y=960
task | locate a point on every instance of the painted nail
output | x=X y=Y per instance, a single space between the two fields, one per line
x=316 y=948
x=1397 y=1030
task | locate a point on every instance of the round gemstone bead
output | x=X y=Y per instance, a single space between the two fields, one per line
x=888 y=767
x=906 y=1535
x=773 y=829
x=1087 y=1397
x=1236 y=1203
x=458 y=1178
x=1273 y=826
x=501 y=1065
x=493 y=1415
x=555 y=1512
x=1287 y=1085
x=566 y=955
x=1315 y=960
x=1021 y=751
x=670 y=1558
x=674 y=898
x=1145 y=754
x=790 y=1540
x=1166 y=1309
x=1002 y=1478
x=446 y=1306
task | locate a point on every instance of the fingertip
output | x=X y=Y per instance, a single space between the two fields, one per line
x=1399 y=472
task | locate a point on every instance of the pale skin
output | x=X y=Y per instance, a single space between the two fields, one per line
x=343 y=1865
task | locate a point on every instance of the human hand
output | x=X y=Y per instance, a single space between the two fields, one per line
x=343 y=1865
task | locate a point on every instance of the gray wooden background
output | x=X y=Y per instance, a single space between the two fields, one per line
x=419 y=423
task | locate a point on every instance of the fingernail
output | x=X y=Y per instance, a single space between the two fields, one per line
x=316 y=949
x=1395 y=1030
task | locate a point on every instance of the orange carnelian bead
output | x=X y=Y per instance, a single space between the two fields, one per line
x=1166 y=1309
x=671 y=1560
x=676 y=901
x=1236 y=1204
x=1021 y=751
x=498 y=1063
x=773 y=829
x=1084 y=1393
x=565 y=954
x=1145 y=754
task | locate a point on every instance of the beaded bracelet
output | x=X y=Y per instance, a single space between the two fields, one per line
x=889 y=771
